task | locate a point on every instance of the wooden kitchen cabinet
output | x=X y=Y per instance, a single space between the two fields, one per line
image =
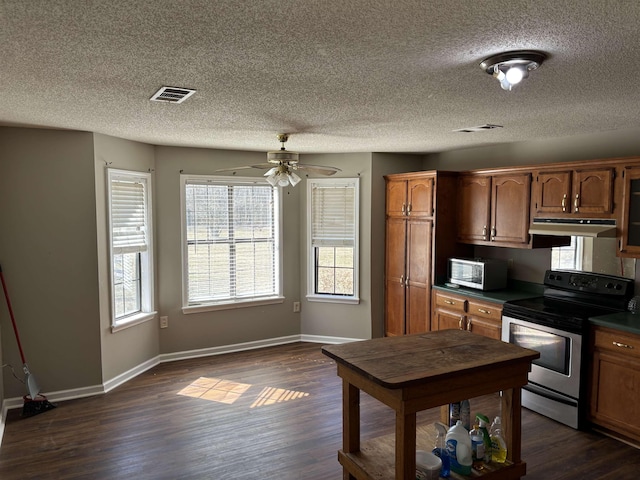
x=494 y=209
x=474 y=213
x=449 y=312
x=484 y=318
x=410 y=198
x=579 y=192
x=461 y=312
x=408 y=255
x=615 y=386
x=413 y=216
x=630 y=221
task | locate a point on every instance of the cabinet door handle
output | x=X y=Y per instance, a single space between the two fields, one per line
x=461 y=323
x=493 y=233
x=564 y=202
x=575 y=203
x=449 y=302
x=404 y=209
x=486 y=312
x=402 y=281
x=484 y=232
x=409 y=209
x=622 y=345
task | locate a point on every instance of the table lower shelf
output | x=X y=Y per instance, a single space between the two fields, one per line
x=376 y=460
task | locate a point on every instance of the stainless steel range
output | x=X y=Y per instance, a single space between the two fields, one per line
x=556 y=325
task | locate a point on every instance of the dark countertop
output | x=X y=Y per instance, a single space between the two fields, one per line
x=625 y=321
x=516 y=290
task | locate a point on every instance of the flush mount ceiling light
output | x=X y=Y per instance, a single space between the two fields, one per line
x=511 y=67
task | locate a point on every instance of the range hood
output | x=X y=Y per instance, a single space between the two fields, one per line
x=580 y=227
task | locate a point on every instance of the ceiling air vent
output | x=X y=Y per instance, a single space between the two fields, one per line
x=487 y=126
x=172 y=94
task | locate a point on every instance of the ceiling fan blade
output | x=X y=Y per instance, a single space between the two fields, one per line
x=261 y=166
x=319 y=169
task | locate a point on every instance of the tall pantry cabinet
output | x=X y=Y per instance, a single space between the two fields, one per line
x=417 y=206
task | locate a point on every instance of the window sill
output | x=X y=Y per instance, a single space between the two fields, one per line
x=211 y=307
x=132 y=321
x=333 y=299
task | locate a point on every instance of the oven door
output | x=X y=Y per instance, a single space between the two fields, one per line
x=558 y=367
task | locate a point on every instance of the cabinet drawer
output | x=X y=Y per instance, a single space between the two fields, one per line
x=620 y=342
x=450 y=302
x=490 y=311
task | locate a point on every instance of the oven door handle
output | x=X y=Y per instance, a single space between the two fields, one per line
x=533 y=388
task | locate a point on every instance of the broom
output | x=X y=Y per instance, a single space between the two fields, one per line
x=34 y=402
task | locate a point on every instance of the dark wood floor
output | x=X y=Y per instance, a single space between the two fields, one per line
x=282 y=420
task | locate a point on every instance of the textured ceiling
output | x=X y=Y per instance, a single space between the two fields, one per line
x=339 y=75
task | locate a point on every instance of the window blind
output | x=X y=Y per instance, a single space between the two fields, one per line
x=231 y=241
x=128 y=216
x=333 y=215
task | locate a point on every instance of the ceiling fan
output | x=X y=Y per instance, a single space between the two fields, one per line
x=282 y=165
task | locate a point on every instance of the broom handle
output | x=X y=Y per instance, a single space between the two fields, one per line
x=13 y=320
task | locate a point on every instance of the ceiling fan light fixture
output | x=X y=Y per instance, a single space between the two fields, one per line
x=282 y=176
x=510 y=68
x=293 y=178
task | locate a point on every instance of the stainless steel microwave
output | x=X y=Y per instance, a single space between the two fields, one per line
x=483 y=274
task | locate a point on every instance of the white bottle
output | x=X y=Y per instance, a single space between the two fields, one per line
x=459 y=448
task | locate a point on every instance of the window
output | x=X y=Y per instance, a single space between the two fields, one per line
x=569 y=257
x=231 y=233
x=333 y=239
x=131 y=247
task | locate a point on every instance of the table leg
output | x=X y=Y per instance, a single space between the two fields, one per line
x=350 y=422
x=405 y=445
x=512 y=422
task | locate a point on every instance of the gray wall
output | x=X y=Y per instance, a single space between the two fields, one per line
x=223 y=327
x=130 y=347
x=49 y=257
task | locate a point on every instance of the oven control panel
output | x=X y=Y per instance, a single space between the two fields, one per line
x=589 y=282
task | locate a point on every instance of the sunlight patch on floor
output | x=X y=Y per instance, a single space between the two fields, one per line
x=271 y=395
x=215 y=390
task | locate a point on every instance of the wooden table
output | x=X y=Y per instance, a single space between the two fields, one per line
x=416 y=372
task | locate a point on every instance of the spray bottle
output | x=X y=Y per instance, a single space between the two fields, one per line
x=440 y=449
x=498 y=445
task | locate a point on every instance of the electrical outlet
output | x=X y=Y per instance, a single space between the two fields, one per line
x=296 y=307
x=164 y=322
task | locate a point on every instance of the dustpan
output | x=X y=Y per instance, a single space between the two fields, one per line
x=34 y=403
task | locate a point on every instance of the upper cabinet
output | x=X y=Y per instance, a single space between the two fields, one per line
x=630 y=221
x=580 y=193
x=494 y=209
x=410 y=198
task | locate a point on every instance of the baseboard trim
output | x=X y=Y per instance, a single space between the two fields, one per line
x=237 y=347
x=72 y=394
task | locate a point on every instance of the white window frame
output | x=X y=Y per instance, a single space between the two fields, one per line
x=311 y=278
x=577 y=249
x=147 y=285
x=187 y=306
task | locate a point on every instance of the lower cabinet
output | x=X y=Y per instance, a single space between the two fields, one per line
x=462 y=312
x=615 y=381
